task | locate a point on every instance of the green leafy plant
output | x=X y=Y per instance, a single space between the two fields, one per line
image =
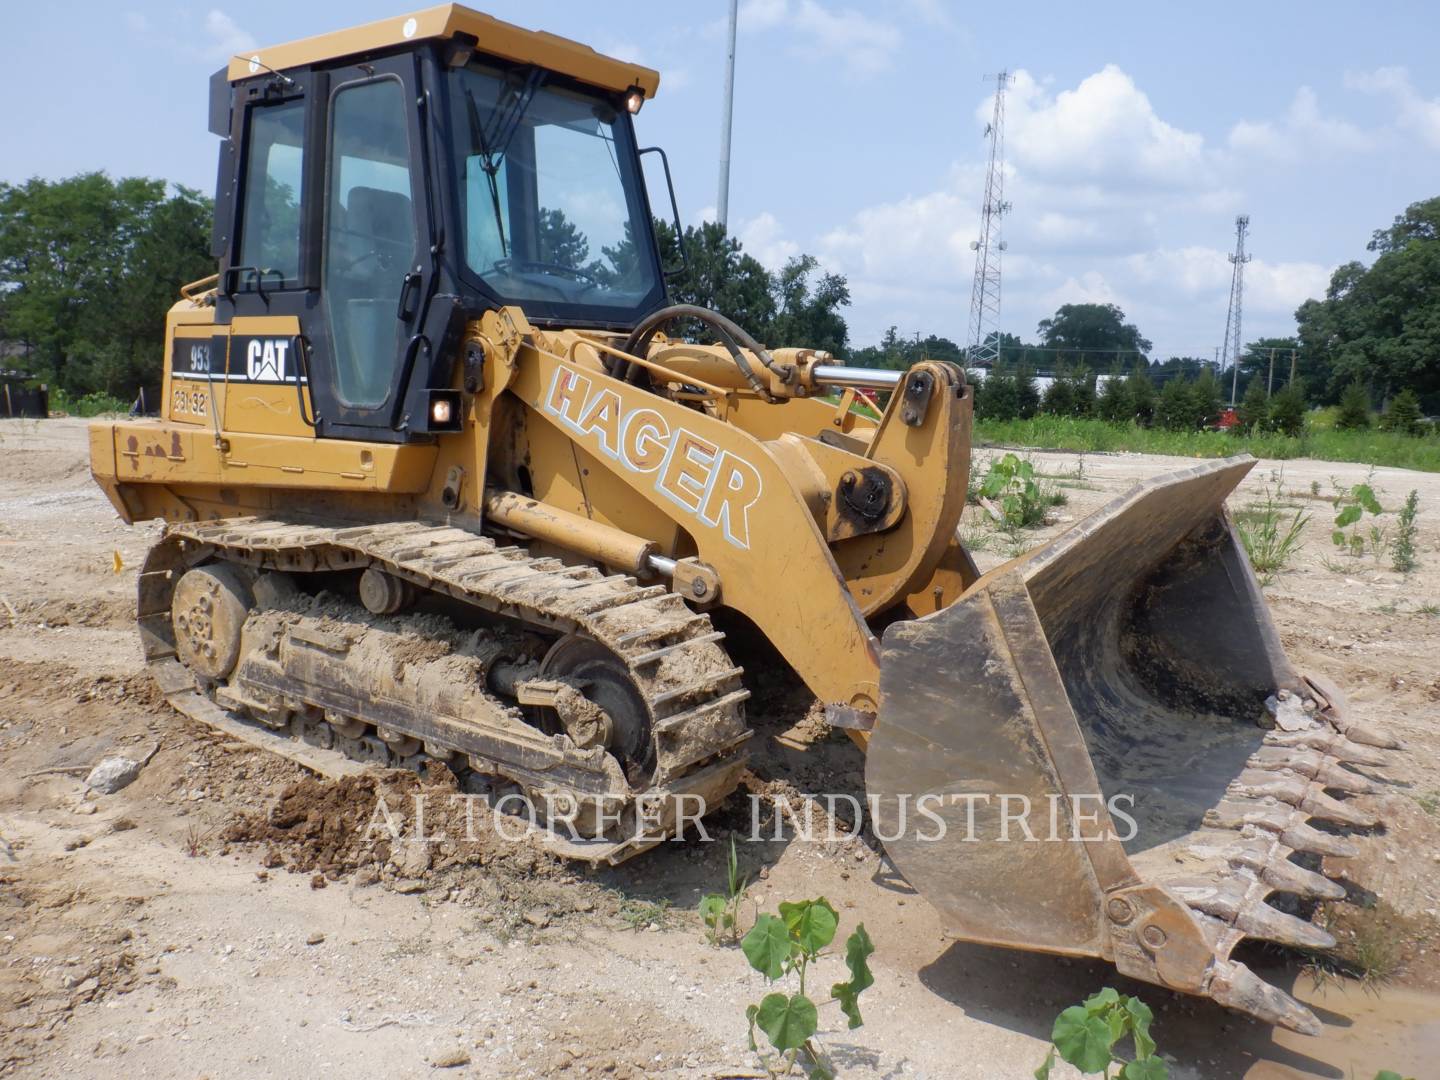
x=1351 y=504
x=1087 y=1034
x=1270 y=538
x=1389 y=1074
x=721 y=911
x=788 y=945
x=1012 y=485
x=1402 y=549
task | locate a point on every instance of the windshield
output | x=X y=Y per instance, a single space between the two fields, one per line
x=550 y=197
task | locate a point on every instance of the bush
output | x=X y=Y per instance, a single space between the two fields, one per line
x=1254 y=412
x=1403 y=417
x=1027 y=395
x=1115 y=403
x=1354 y=414
x=1206 y=399
x=1142 y=397
x=1176 y=410
x=1287 y=411
x=1059 y=399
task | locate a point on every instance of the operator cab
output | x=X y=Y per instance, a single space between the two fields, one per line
x=380 y=187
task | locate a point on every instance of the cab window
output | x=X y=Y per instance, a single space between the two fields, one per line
x=270 y=217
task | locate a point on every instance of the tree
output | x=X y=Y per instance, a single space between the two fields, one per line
x=1080 y=328
x=997 y=396
x=1381 y=324
x=1403 y=415
x=1142 y=396
x=1115 y=403
x=1176 y=409
x=807 y=307
x=88 y=268
x=1287 y=410
x=1354 y=411
x=718 y=275
x=1059 y=397
x=1206 y=399
x=560 y=242
x=1254 y=412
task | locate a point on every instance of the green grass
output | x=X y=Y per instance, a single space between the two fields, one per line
x=97 y=403
x=1068 y=433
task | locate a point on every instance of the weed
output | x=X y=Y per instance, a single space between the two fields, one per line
x=1402 y=550
x=1428 y=609
x=787 y=945
x=1271 y=539
x=641 y=914
x=1352 y=503
x=721 y=911
x=1428 y=801
x=1086 y=1035
x=1011 y=483
x=195 y=837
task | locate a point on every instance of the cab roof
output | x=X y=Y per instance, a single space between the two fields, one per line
x=496 y=38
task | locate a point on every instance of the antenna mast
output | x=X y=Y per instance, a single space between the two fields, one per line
x=1237 y=296
x=985 y=296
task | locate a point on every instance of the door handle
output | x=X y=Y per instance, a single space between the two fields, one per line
x=404 y=309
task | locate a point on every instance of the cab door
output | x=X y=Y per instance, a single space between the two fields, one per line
x=376 y=271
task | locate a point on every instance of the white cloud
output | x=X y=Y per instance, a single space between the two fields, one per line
x=1414 y=112
x=1104 y=129
x=227 y=39
x=1302 y=132
x=1197 y=271
x=762 y=237
x=868 y=45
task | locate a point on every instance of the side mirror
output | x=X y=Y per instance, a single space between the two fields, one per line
x=674 y=211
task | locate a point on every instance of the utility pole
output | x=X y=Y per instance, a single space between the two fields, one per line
x=722 y=203
x=1292 y=366
x=1270 y=382
x=1237 y=296
x=985 y=294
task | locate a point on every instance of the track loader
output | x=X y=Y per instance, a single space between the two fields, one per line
x=439 y=485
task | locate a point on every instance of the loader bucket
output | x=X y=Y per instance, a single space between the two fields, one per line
x=1100 y=749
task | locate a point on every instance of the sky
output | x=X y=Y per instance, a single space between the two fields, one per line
x=1134 y=134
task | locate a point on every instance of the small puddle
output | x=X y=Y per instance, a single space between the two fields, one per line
x=1397 y=1029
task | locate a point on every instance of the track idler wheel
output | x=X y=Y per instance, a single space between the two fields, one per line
x=208 y=611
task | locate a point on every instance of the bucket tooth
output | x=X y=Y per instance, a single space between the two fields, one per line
x=1328 y=742
x=1239 y=900
x=1236 y=986
x=1368 y=734
x=1276 y=817
x=1285 y=876
x=1343 y=812
x=1259 y=920
x=1303 y=837
x=1314 y=764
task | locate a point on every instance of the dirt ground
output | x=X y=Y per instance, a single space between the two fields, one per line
x=161 y=932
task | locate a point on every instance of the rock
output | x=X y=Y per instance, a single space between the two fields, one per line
x=112 y=774
x=315 y=939
x=408 y=887
x=585 y=903
x=537 y=917
x=85 y=809
x=76 y=842
x=365 y=876
x=449 y=1059
x=413 y=860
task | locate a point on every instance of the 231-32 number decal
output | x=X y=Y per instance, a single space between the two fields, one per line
x=189 y=402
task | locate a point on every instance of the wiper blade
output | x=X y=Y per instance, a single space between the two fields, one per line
x=489 y=166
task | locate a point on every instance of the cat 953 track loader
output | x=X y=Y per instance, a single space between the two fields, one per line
x=438 y=486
